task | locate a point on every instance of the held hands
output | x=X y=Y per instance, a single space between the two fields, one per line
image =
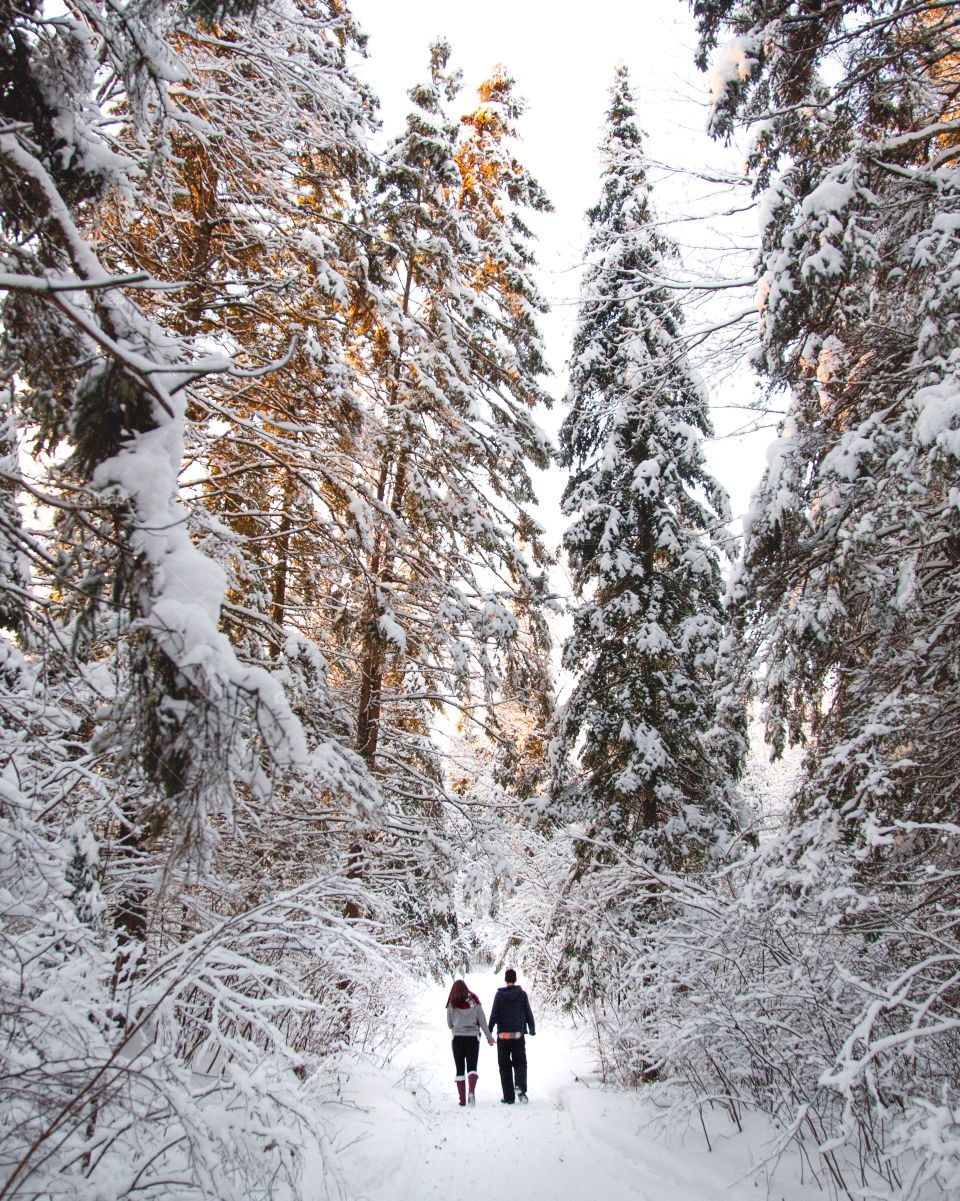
x=490 y=1042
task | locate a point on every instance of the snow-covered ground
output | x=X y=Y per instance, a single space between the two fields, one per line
x=405 y=1138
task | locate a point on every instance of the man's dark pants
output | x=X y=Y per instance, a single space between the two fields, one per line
x=512 y=1062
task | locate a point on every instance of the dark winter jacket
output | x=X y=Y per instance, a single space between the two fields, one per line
x=511 y=1012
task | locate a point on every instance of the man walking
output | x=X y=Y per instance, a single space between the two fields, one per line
x=512 y=1018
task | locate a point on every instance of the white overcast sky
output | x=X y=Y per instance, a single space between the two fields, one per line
x=563 y=59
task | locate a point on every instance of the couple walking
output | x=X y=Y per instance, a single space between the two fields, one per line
x=512 y=1018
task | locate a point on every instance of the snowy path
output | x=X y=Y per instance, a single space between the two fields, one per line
x=576 y=1141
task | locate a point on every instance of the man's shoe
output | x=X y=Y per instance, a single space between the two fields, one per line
x=522 y=1097
x=504 y=1101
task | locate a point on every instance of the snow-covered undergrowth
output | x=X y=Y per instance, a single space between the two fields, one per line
x=795 y=986
x=199 y=1063
x=205 y=1073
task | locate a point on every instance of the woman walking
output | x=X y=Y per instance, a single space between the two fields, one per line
x=466 y=1021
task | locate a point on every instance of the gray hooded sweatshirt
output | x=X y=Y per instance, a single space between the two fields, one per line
x=467 y=1022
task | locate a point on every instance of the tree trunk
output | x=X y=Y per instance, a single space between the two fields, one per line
x=278 y=599
x=373 y=655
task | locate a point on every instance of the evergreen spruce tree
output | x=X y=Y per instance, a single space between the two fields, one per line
x=847 y=598
x=451 y=578
x=644 y=544
x=848 y=595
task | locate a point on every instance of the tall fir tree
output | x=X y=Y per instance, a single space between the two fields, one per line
x=848 y=595
x=452 y=562
x=173 y=835
x=640 y=726
x=847 y=598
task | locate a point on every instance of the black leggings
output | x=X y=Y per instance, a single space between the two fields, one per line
x=466 y=1048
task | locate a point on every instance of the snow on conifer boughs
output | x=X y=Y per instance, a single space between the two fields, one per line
x=846 y=599
x=176 y=866
x=452 y=590
x=645 y=540
x=252 y=222
x=849 y=587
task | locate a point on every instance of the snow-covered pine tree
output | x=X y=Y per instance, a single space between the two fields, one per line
x=439 y=591
x=253 y=217
x=848 y=584
x=100 y=387
x=136 y=742
x=847 y=599
x=452 y=591
x=635 y=755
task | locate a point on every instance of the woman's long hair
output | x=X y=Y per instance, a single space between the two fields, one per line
x=460 y=996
